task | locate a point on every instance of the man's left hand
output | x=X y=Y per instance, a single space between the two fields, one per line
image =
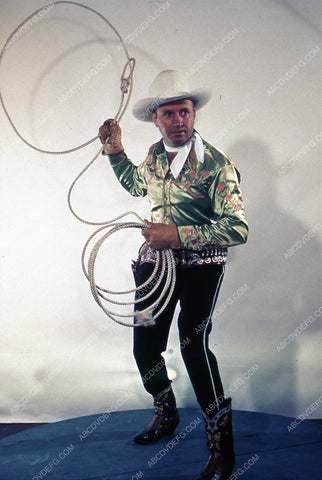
x=160 y=235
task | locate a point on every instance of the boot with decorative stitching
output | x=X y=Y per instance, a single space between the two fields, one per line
x=165 y=418
x=221 y=460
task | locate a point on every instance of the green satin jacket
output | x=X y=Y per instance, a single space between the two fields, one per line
x=205 y=200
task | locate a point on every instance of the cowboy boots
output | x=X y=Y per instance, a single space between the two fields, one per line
x=221 y=460
x=164 y=420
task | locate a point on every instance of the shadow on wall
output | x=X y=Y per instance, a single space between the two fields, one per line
x=282 y=270
x=295 y=13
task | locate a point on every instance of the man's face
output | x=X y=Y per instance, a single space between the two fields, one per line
x=175 y=121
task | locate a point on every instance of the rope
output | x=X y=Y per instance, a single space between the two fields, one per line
x=164 y=269
x=125 y=81
x=165 y=263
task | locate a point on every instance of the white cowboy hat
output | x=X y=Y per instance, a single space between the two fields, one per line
x=169 y=86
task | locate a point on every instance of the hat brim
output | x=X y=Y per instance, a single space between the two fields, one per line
x=143 y=108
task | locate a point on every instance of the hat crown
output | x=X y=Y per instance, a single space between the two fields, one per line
x=169 y=83
x=169 y=86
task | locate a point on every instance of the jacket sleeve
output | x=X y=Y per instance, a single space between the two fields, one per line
x=130 y=176
x=228 y=226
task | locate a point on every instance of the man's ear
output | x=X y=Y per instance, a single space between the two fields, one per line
x=155 y=119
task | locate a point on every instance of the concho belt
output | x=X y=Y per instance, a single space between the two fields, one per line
x=187 y=258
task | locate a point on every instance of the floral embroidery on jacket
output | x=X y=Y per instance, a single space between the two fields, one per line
x=205 y=200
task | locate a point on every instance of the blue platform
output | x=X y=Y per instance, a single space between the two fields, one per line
x=99 y=447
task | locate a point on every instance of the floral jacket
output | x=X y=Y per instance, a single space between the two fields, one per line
x=205 y=200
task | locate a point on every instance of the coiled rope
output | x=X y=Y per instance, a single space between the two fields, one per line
x=164 y=269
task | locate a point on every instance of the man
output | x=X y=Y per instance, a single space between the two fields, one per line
x=197 y=211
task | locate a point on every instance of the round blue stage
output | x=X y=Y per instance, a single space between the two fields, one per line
x=100 y=447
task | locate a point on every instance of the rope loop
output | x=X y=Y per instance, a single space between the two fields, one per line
x=165 y=268
x=126 y=86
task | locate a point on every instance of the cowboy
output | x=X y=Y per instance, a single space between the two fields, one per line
x=197 y=211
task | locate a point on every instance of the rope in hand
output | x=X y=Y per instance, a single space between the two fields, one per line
x=165 y=264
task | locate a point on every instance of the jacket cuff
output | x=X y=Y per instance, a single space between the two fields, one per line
x=188 y=239
x=117 y=158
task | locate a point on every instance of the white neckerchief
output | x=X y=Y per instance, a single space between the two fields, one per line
x=183 y=152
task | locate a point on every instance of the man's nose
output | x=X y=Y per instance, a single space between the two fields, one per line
x=177 y=119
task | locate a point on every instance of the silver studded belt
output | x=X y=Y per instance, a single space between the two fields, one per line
x=187 y=258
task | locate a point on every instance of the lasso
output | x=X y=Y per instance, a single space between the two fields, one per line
x=164 y=270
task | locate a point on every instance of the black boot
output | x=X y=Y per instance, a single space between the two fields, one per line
x=164 y=420
x=221 y=460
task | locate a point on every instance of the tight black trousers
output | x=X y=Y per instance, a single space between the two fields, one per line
x=196 y=291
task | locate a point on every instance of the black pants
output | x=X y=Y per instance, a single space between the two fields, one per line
x=196 y=290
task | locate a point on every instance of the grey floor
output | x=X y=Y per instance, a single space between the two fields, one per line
x=99 y=447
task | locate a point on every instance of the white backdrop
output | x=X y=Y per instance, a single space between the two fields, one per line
x=60 y=81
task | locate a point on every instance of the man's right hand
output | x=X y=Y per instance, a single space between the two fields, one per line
x=111 y=131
